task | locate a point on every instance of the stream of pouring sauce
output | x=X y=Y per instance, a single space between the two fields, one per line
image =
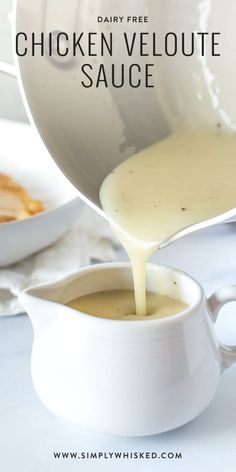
x=180 y=181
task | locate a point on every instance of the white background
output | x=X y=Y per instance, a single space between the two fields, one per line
x=11 y=106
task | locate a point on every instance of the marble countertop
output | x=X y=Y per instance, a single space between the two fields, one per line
x=29 y=434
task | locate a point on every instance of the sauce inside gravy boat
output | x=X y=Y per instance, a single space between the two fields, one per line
x=126 y=378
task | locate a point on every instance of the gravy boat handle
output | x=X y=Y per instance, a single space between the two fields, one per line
x=215 y=302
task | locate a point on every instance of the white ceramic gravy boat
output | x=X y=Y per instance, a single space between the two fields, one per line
x=126 y=378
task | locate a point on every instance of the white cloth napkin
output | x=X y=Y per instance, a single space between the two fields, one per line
x=91 y=238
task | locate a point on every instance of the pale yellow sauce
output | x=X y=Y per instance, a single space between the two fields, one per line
x=180 y=181
x=120 y=305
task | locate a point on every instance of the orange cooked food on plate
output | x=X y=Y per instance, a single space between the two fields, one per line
x=15 y=202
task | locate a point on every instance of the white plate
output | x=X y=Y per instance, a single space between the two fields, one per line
x=24 y=157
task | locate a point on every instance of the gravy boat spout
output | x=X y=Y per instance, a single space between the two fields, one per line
x=39 y=303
